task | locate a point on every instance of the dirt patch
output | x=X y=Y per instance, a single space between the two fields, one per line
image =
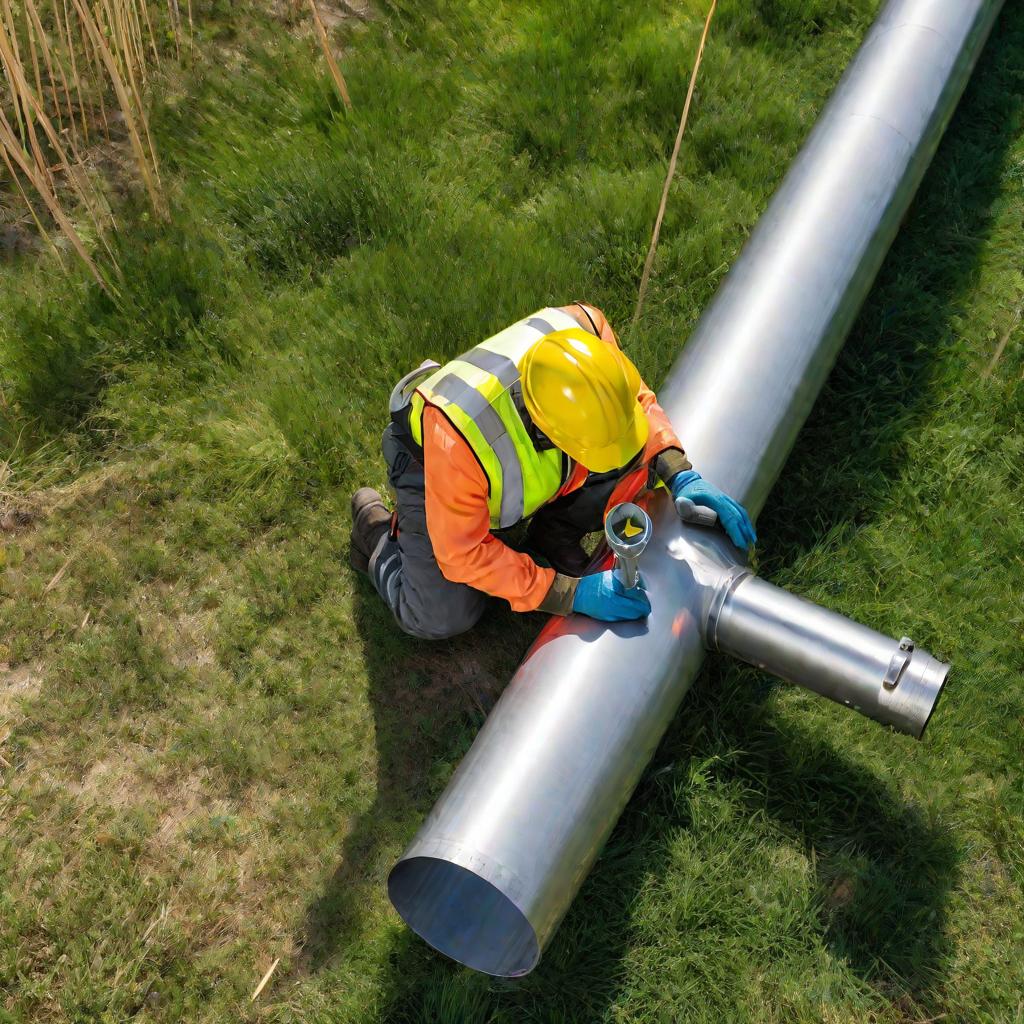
x=192 y=649
x=334 y=12
x=840 y=893
x=296 y=13
x=113 y=782
x=17 y=510
x=16 y=240
x=111 y=163
x=17 y=685
x=184 y=636
x=186 y=800
x=443 y=680
x=15 y=520
x=180 y=802
x=993 y=875
x=101 y=169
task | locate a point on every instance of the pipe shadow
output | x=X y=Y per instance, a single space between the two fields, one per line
x=883 y=868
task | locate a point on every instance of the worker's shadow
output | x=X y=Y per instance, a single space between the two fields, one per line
x=428 y=701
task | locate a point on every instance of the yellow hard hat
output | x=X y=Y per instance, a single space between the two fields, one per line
x=581 y=392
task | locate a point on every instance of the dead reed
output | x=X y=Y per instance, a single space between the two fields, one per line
x=332 y=64
x=75 y=76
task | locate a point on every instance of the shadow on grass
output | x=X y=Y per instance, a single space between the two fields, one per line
x=883 y=870
x=881 y=876
x=429 y=700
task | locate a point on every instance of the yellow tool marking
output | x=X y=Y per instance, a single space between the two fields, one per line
x=631 y=529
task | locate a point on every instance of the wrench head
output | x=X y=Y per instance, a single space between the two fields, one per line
x=628 y=529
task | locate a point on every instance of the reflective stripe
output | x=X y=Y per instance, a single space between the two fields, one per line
x=492 y=362
x=539 y=324
x=385 y=577
x=490 y=425
x=380 y=569
x=513 y=494
x=501 y=366
x=391 y=587
x=455 y=390
x=487 y=413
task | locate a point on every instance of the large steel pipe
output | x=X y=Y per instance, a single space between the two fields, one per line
x=499 y=859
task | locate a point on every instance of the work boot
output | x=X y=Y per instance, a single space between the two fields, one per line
x=370 y=521
x=564 y=552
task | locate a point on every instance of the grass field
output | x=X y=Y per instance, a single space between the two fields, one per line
x=214 y=740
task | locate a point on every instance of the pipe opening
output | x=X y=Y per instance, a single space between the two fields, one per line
x=463 y=916
x=940 y=678
x=912 y=702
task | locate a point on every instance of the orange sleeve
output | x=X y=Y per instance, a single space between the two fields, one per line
x=455 y=494
x=662 y=435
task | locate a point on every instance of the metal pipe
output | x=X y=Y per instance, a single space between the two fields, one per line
x=891 y=681
x=499 y=859
x=743 y=386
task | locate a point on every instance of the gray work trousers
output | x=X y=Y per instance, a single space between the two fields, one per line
x=404 y=569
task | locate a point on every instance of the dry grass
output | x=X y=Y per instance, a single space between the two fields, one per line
x=66 y=64
x=200 y=840
x=332 y=64
x=16 y=685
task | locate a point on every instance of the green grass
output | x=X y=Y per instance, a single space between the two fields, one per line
x=219 y=765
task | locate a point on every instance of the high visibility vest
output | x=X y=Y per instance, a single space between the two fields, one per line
x=477 y=393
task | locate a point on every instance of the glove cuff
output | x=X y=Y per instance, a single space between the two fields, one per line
x=560 y=596
x=668 y=463
x=680 y=480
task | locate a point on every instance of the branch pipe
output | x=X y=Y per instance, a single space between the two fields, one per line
x=891 y=681
x=500 y=857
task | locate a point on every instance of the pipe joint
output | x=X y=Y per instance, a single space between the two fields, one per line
x=718 y=603
x=892 y=681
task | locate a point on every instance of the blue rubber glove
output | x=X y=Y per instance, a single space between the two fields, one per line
x=602 y=596
x=731 y=514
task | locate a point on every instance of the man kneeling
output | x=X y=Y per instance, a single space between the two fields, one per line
x=547 y=421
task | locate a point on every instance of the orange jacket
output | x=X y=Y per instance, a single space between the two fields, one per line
x=456 y=498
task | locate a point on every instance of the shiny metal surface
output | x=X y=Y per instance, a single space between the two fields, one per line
x=750 y=373
x=829 y=654
x=533 y=801
x=499 y=859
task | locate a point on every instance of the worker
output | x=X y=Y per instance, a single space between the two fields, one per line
x=548 y=421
